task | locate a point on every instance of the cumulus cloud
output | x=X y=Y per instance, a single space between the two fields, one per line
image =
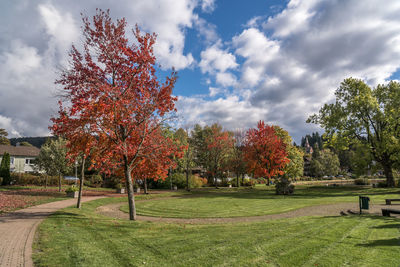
x=292 y=62
x=217 y=62
x=35 y=37
x=231 y=112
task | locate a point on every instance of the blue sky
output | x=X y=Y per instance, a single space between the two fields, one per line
x=238 y=62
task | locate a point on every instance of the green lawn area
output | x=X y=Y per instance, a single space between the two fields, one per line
x=73 y=237
x=254 y=202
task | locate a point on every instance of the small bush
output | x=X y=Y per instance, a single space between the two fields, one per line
x=249 y=182
x=361 y=181
x=284 y=187
x=381 y=184
x=71 y=189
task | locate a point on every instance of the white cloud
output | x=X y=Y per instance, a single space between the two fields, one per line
x=226 y=79
x=208 y=5
x=35 y=37
x=230 y=111
x=215 y=59
x=217 y=62
x=61 y=27
x=295 y=61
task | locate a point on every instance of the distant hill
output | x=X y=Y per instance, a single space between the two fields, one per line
x=35 y=141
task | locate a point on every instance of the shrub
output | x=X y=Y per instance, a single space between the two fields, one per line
x=249 y=182
x=284 y=187
x=34 y=179
x=361 y=181
x=94 y=180
x=178 y=179
x=381 y=184
x=71 y=189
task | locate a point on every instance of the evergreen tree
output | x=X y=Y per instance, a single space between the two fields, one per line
x=5 y=169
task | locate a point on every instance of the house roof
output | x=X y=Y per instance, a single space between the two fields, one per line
x=30 y=151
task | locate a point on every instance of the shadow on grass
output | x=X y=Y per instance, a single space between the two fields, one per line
x=382 y=242
x=300 y=193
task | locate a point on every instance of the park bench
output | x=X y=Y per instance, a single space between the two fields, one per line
x=386 y=212
x=389 y=200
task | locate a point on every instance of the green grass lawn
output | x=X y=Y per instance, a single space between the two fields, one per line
x=254 y=202
x=73 y=237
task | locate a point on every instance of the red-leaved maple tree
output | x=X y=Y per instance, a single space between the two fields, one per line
x=219 y=144
x=113 y=94
x=265 y=153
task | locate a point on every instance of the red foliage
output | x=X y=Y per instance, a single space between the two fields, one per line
x=265 y=152
x=219 y=144
x=116 y=102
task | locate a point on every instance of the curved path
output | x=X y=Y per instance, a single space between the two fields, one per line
x=17 y=230
x=112 y=210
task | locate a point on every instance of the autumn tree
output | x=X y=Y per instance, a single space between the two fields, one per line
x=370 y=116
x=3 y=137
x=112 y=88
x=265 y=152
x=219 y=145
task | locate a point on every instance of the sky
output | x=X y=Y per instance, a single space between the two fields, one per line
x=238 y=61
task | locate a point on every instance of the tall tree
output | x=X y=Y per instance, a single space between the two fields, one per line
x=265 y=151
x=237 y=161
x=186 y=163
x=295 y=167
x=219 y=144
x=369 y=115
x=112 y=87
x=53 y=159
x=3 y=137
x=5 y=169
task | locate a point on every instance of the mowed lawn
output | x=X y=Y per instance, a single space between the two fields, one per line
x=214 y=203
x=73 y=237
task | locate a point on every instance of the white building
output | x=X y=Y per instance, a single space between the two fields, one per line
x=22 y=158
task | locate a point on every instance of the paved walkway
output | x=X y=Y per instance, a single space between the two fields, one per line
x=17 y=230
x=112 y=210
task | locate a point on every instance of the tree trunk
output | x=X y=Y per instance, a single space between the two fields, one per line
x=59 y=182
x=187 y=180
x=145 y=185
x=81 y=180
x=45 y=182
x=242 y=178
x=387 y=169
x=129 y=187
x=267 y=181
x=237 y=180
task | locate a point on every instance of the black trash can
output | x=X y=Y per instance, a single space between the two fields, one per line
x=364 y=203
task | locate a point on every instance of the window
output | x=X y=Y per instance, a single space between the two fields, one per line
x=12 y=161
x=30 y=161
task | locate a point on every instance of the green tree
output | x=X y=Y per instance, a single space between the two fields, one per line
x=5 y=169
x=24 y=143
x=362 y=161
x=3 y=137
x=295 y=167
x=52 y=159
x=326 y=162
x=186 y=163
x=371 y=116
